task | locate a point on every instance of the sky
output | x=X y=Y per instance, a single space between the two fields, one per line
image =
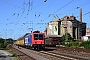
x=18 y=17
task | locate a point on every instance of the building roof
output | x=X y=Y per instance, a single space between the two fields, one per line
x=56 y=20
x=71 y=18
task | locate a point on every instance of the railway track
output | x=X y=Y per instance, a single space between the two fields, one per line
x=59 y=56
x=21 y=55
x=31 y=53
x=72 y=52
x=78 y=52
x=53 y=54
x=47 y=55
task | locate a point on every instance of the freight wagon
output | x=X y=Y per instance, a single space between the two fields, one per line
x=53 y=40
x=20 y=41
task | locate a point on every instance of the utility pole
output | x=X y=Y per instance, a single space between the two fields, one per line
x=5 y=35
x=80 y=14
x=66 y=31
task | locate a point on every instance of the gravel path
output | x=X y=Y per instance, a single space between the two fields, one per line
x=4 y=55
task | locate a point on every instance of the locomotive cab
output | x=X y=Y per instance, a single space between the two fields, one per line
x=38 y=40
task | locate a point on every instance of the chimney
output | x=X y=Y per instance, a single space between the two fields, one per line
x=80 y=14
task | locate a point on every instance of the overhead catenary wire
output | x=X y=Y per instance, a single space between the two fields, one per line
x=23 y=12
x=76 y=8
x=24 y=9
x=44 y=13
x=69 y=10
x=12 y=4
x=17 y=16
x=59 y=9
x=44 y=10
x=64 y=6
x=38 y=14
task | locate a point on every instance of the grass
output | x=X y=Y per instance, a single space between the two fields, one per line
x=14 y=54
x=2 y=48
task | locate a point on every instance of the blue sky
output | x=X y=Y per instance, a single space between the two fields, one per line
x=17 y=17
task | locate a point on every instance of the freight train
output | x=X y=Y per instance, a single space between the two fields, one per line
x=53 y=40
x=34 y=40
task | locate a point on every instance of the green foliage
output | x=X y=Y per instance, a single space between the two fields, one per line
x=14 y=54
x=10 y=51
x=78 y=44
x=1 y=40
x=1 y=43
x=74 y=44
x=64 y=38
x=9 y=41
x=4 y=42
x=86 y=44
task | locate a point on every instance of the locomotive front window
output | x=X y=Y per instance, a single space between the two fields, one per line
x=38 y=36
x=35 y=36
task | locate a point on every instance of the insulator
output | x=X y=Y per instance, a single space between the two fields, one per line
x=45 y=0
x=35 y=15
x=39 y=15
x=14 y=14
x=18 y=14
x=49 y=16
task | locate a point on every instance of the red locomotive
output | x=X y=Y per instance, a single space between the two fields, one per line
x=34 y=40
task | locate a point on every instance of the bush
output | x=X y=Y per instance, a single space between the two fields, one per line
x=74 y=44
x=64 y=38
x=5 y=45
x=86 y=44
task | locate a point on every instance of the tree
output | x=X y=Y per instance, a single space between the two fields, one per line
x=64 y=38
x=9 y=41
x=5 y=42
x=1 y=43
